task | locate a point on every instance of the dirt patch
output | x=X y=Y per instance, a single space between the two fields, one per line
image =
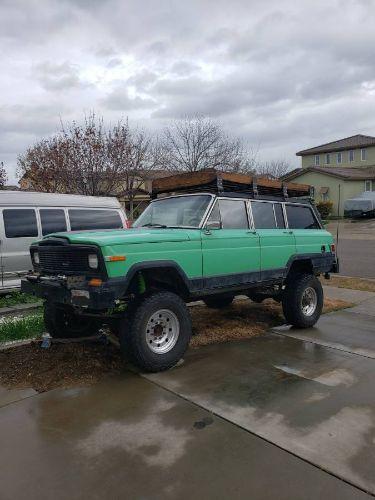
x=362 y=284
x=243 y=319
x=62 y=365
x=77 y=364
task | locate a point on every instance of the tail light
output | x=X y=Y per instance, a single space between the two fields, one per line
x=333 y=247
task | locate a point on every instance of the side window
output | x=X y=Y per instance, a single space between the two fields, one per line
x=53 y=220
x=81 y=219
x=263 y=215
x=301 y=217
x=20 y=223
x=233 y=214
x=215 y=214
x=279 y=215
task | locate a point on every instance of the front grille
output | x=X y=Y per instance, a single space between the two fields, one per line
x=65 y=259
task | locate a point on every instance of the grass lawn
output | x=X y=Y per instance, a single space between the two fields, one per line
x=353 y=283
x=15 y=298
x=21 y=327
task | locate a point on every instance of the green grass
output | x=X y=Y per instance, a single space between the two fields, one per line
x=14 y=298
x=22 y=328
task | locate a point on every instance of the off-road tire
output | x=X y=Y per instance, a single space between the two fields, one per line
x=133 y=335
x=292 y=300
x=62 y=323
x=218 y=301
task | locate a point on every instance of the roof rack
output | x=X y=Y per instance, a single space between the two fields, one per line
x=213 y=181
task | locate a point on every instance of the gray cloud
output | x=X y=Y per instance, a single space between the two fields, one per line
x=282 y=74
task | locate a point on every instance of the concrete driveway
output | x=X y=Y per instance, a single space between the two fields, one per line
x=281 y=416
x=356 y=246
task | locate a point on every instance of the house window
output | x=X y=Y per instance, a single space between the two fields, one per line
x=369 y=185
x=339 y=157
x=317 y=160
x=328 y=159
x=363 y=154
x=324 y=193
x=351 y=155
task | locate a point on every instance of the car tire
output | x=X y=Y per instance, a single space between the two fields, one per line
x=156 y=333
x=218 y=301
x=62 y=323
x=303 y=300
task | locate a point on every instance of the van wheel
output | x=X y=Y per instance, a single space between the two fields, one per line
x=62 y=323
x=157 y=332
x=218 y=301
x=303 y=300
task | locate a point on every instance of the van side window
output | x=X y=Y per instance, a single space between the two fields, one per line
x=279 y=214
x=301 y=217
x=53 y=220
x=233 y=214
x=20 y=223
x=263 y=215
x=94 y=219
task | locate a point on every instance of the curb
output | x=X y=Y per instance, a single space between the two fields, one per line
x=19 y=308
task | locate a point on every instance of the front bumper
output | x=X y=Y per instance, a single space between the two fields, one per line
x=99 y=297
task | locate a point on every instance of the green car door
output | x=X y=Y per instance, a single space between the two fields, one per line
x=230 y=249
x=277 y=244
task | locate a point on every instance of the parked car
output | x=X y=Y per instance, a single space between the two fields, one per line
x=28 y=216
x=362 y=205
x=196 y=245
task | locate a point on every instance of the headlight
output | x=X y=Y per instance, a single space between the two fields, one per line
x=36 y=258
x=93 y=261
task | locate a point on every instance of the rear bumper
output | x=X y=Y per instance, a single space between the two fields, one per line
x=99 y=298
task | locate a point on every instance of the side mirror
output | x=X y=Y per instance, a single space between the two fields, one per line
x=213 y=225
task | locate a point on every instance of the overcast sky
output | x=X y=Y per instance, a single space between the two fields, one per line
x=283 y=74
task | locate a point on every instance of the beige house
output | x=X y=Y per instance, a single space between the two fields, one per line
x=338 y=170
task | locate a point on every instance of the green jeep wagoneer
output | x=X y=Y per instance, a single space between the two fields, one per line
x=219 y=236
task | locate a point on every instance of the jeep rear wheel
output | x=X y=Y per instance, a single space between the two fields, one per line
x=303 y=300
x=218 y=301
x=157 y=333
x=61 y=322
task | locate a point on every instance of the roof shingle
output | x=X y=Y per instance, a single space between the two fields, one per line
x=350 y=174
x=353 y=142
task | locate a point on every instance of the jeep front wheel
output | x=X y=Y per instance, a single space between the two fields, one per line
x=157 y=333
x=303 y=300
x=62 y=323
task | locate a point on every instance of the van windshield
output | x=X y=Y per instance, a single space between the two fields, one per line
x=181 y=211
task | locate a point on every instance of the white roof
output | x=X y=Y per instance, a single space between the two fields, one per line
x=31 y=198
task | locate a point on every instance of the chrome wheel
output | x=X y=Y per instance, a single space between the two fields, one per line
x=309 y=301
x=162 y=331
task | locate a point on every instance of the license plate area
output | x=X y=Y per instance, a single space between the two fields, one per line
x=80 y=297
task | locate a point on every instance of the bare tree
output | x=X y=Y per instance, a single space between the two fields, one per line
x=196 y=143
x=89 y=159
x=3 y=175
x=272 y=169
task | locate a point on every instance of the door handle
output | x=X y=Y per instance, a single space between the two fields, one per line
x=288 y=232
x=251 y=232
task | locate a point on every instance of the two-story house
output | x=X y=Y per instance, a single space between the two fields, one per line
x=338 y=170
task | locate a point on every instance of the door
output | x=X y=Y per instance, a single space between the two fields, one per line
x=277 y=244
x=231 y=254
x=309 y=236
x=19 y=230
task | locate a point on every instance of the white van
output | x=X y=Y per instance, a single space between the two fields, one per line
x=28 y=216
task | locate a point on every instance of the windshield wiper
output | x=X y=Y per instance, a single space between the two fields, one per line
x=150 y=224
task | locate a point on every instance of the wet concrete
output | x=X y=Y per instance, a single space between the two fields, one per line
x=128 y=438
x=345 y=330
x=316 y=402
x=8 y=396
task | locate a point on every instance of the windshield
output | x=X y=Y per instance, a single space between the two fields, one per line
x=182 y=211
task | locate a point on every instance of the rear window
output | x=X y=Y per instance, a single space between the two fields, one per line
x=263 y=215
x=53 y=220
x=81 y=220
x=301 y=217
x=20 y=223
